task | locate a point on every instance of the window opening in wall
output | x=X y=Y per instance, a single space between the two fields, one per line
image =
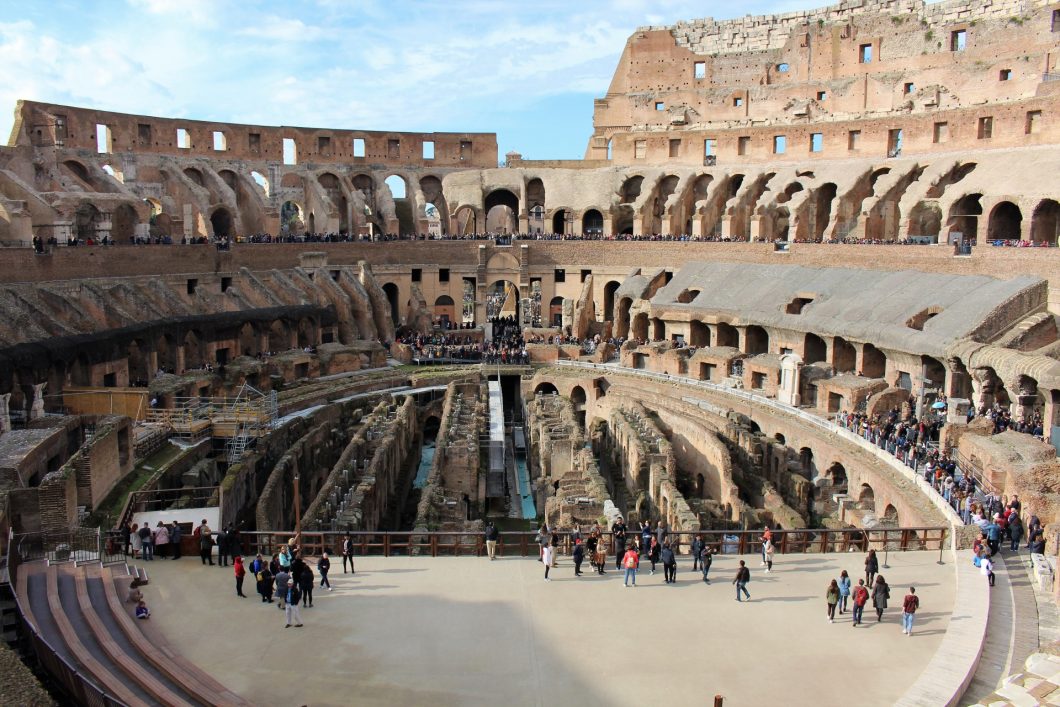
x=192 y=284
x=796 y=305
x=986 y=127
x=918 y=320
x=709 y=146
x=104 y=140
x=290 y=151
x=560 y=275
x=336 y=274
x=417 y=274
x=854 y=140
x=780 y=144
x=586 y=274
x=699 y=70
x=782 y=68
x=226 y=282
x=942 y=133
x=1004 y=75
x=428 y=149
x=610 y=145
x=958 y=40
x=908 y=88
x=675 y=147
x=219 y=142
x=816 y=142
x=465 y=149
x=742 y=144
x=667 y=276
x=393 y=148
x=110 y=380
x=323 y=145
x=358 y=147
x=1033 y=123
x=758 y=381
x=822 y=95
x=1055 y=26
x=894 y=142
x=640 y=149
x=443 y=274
x=659 y=105
x=254 y=142
x=865 y=54
x=706 y=371
x=183 y=139
x=737 y=101
x=143 y=134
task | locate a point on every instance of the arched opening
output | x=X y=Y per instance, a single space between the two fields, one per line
x=925 y=219
x=402 y=204
x=806 y=462
x=555 y=311
x=727 y=335
x=221 y=221
x=444 y=311
x=609 y=300
x=195 y=176
x=502 y=301
x=964 y=216
x=890 y=516
x=438 y=221
x=640 y=326
x=756 y=340
x=466 y=221
x=622 y=323
x=278 y=338
x=1005 y=222
x=292 y=219
x=814 y=349
x=86 y=221
x=535 y=205
x=658 y=329
x=844 y=355
x=248 y=340
x=139 y=375
x=698 y=334
x=866 y=499
x=333 y=188
x=837 y=477
x=114 y=174
x=631 y=189
x=123 y=223
x=873 y=362
x=545 y=389
x=593 y=223
x=823 y=209
x=560 y=221
x=391 y=292
x=779 y=437
x=701 y=486
x=262 y=182
x=193 y=355
x=1045 y=223
x=577 y=397
x=502 y=211
x=687 y=296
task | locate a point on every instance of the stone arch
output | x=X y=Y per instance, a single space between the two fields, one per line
x=1045 y=222
x=658 y=329
x=278 y=336
x=221 y=223
x=1005 y=222
x=123 y=223
x=890 y=516
x=195 y=175
x=466 y=220
x=873 y=362
x=535 y=193
x=698 y=334
x=193 y=350
x=814 y=349
x=727 y=335
x=399 y=192
x=136 y=354
x=555 y=311
x=756 y=340
x=630 y=189
x=86 y=220
x=561 y=220
x=809 y=470
x=502 y=300
x=823 y=198
x=640 y=326
x=249 y=341
x=837 y=475
x=866 y=498
x=545 y=389
x=610 y=288
x=431 y=186
x=502 y=211
x=262 y=181
x=925 y=219
x=444 y=310
x=392 y=297
x=844 y=355
x=593 y=223
x=964 y=215
x=779 y=437
x=622 y=323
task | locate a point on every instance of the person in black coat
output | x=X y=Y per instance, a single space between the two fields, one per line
x=305 y=584
x=669 y=563
x=579 y=556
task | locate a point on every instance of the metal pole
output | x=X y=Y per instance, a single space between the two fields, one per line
x=718 y=700
x=297 y=513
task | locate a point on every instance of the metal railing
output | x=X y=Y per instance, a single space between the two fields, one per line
x=525 y=544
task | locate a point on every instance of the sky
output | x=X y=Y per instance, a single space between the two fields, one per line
x=528 y=71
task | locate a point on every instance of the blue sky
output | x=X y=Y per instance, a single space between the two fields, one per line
x=526 y=70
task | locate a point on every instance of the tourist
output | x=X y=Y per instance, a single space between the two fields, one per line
x=323 y=566
x=872 y=566
x=136 y=541
x=546 y=556
x=205 y=544
x=542 y=540
x=285 y=557
x=768 y=549
x=706 y=559
x=645 y=539
x=222 y=547
x=669 y=563
x=282 y=577
x=630 y=561
x=491 y=540
x=305 y=583
x=592 y=545
x=142 y=612
x=240 y=572
x=265 y=580
x=553 y=540
x=1035 y=534
x=161 y=538
x=127 y=532
x=579 y=556
x=653 y=552
x=881 y=592
x=291 y=611
x=743 y=576
x=347 y=553
x=909 y=606
x=767 y=536
x=697 y=550
x=844 y=590
x=986 y=567
x=861 y=597
x=661 y=533
x=175 y=537
x=1015 y=530
x=831 y=597
x=993 y=534
x=618 y=537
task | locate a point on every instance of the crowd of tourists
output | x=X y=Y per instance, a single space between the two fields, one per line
x=506 y=347
x=1002 y=419
x=165 y=541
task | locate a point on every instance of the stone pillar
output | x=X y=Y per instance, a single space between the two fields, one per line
x=790 y=369
x=754 y=228
x=5 y=415
x=726 y=226
x=741 y=343
x=152 y=364
x=697 y=226
x=178 y=367
x=37 y=409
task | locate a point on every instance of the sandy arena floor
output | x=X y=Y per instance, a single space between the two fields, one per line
x=465 y=631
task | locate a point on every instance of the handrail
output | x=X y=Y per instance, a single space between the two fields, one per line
x=525 y=544
x=824 y=425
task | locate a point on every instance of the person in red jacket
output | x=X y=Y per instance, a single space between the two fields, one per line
x=240 y=572
x=861 y=596
x=630 y=561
